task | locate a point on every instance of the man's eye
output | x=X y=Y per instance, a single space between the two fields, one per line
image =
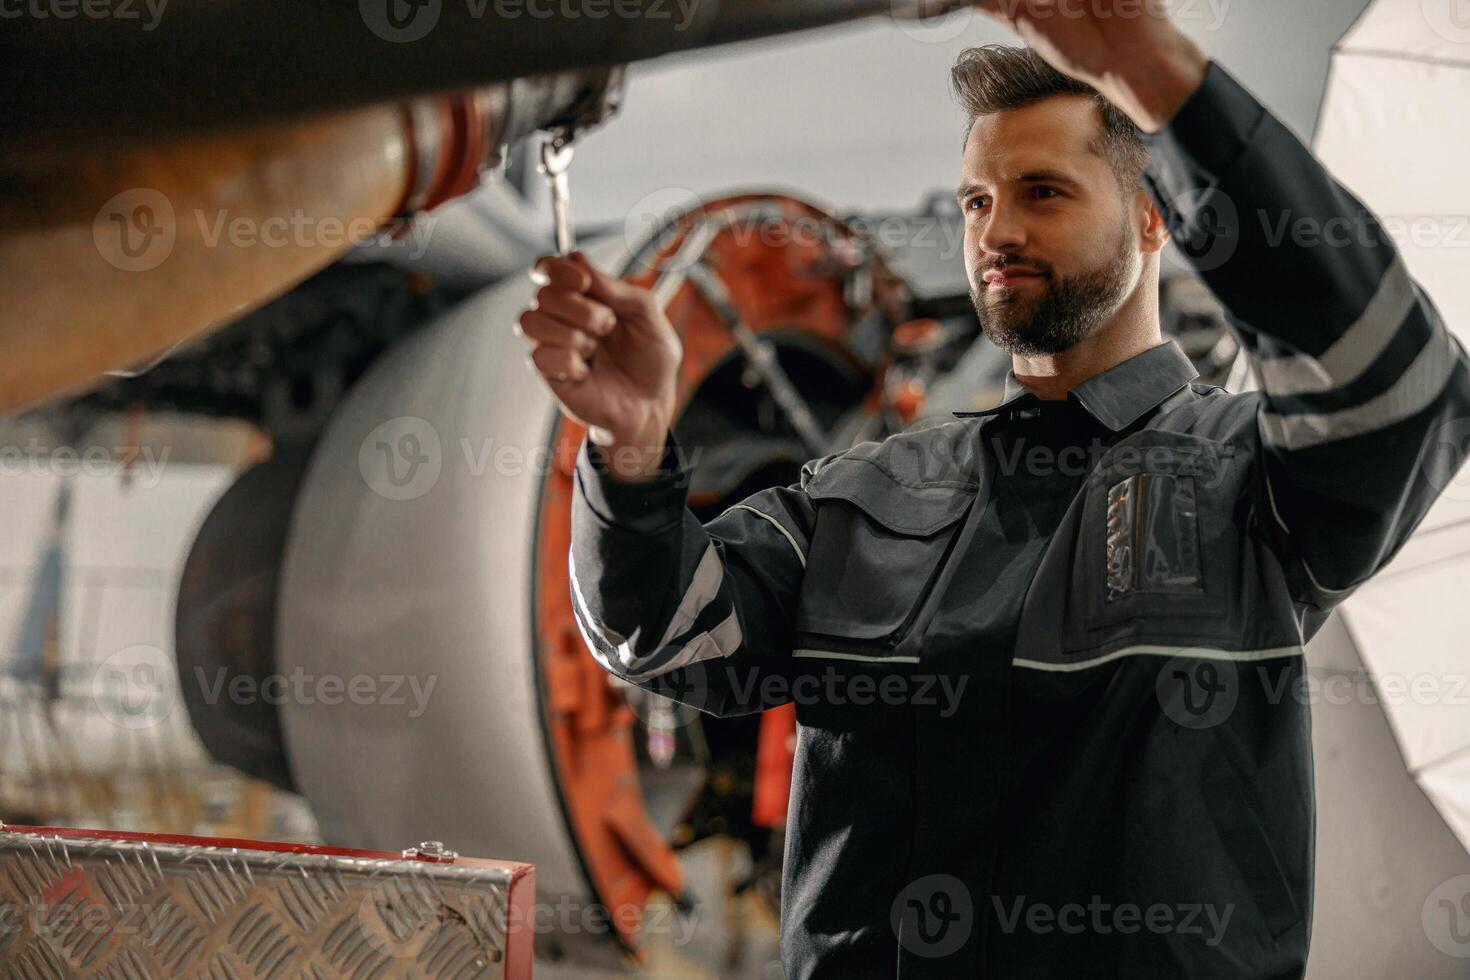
x=977 y=202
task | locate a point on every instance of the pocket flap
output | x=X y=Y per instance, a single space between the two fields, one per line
x=901 y=507
x=1159 y=451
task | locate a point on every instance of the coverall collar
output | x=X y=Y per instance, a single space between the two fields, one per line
x=1123 y=392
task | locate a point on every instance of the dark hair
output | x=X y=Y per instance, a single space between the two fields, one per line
x=998 y=77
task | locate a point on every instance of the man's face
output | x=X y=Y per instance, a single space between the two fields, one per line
x=1037 y=200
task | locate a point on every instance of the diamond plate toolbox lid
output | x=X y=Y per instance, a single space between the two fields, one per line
x=126 y=906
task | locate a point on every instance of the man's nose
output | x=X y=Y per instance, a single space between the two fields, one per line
x=1002 y=231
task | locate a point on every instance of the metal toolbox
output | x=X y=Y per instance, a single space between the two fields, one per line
x=108 y=904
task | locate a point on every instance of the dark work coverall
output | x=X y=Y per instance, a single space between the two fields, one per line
x=1047 y=659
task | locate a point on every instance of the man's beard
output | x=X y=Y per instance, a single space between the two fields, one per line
x=1069 y=309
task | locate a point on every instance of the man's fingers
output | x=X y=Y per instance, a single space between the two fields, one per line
x=577 y=310
x=558 y=364
x=545 y=329
x=560 y=272
x=620 y=296
x=576 y=274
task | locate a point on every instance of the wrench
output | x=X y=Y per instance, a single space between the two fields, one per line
x=556 y=157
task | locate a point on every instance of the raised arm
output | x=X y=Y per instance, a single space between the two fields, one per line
x=1359 y=375
x=1362 y=384
x=702 y=613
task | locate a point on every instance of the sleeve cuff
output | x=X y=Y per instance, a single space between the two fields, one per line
x=1209 y=133
x=645 y=506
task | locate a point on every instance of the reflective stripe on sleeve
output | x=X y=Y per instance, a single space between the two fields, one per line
x=1414 y=391
x=1352 y=353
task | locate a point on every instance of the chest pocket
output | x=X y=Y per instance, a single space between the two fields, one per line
x=878 y=546
x=1159 y=549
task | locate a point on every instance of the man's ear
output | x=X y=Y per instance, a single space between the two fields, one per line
x=1155 y=231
